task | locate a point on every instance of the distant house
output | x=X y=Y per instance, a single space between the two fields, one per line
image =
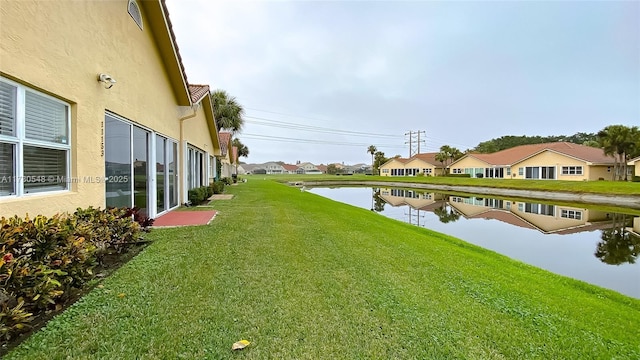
x=272 y=168
x=419 y=164
x=394 y=167
x=309 y=168
x=322 y=168
x=425 y=164
x=553 y=161
x=290 y=169
x=636 y=165
x=244 y=169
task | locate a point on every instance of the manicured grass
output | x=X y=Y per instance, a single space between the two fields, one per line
x=596 y=187
x=303 y=277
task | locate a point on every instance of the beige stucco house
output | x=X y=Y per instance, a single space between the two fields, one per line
x=556 y=161
x=96 y=109
x=419 y=164
x=393 y=167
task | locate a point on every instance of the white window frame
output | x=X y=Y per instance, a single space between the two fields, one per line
x=571 y=214
x=19 y=140
x=572 y=170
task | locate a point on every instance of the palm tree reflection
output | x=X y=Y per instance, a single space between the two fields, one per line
x=618 y=245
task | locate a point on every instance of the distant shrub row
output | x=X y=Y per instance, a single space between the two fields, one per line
x=460 y=175
x=45 y=261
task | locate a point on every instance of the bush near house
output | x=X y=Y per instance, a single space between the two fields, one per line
x=198 y=195
x=47 y=260
x=459 y=175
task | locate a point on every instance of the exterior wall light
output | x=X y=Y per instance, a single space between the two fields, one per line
x=107 y=80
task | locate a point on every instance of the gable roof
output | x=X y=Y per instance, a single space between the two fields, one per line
x=519 y=153
x=200 y=94
x=633 y=160
x=427 y=157
x=398 y=159
x=290 y=167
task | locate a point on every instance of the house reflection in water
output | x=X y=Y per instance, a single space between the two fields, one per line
x=548 y=219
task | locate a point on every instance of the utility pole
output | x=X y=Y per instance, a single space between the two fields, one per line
x=414 y=142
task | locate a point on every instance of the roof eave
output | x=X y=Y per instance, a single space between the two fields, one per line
x=158 y=21
x=207 y=105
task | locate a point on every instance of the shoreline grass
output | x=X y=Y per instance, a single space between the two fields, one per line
x=579 y=187
x=304 y=277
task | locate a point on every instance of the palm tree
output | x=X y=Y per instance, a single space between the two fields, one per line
x=227 y=111
x=442 y=157
x=619 y=141
x=372 y=150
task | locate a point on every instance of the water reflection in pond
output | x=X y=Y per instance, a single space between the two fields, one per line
x=578 y=241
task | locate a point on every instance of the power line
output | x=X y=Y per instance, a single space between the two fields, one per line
x=288 y=125
x=311 y=141
x=265 y=122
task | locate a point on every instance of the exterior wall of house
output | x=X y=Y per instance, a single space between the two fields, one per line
x=469 y=163
x=421 y=165
x=195 y=133
x=385 y=169
x=597 y=172
x=549 y=158
x=59 y=48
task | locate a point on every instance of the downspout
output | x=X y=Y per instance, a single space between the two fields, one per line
x=183 y=156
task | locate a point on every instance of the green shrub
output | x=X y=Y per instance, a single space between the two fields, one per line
x=226 y=180
x=46 y=261
x=636 y=179
x=218 y=187
x=209 y=190
x=459 y=175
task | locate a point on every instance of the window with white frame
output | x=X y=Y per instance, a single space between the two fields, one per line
x=571 y=214
x=34 y=141
x=195 y=167
x=572 y=170
x=385 y=171
x=427 y=171
x=457 y=171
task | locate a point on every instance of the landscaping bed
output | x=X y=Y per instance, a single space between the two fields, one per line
x=49 y=262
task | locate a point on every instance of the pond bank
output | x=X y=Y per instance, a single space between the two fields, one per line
x=632 y=202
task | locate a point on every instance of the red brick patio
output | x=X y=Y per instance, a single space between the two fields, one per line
x=185 y=218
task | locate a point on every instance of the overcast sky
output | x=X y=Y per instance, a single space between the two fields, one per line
x=320 y=81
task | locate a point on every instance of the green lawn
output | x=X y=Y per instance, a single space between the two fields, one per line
x=303 y=277
x=597 y=187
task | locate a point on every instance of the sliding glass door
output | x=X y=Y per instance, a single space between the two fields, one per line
x=118 y=164
x=166 y=175
x=130 y=168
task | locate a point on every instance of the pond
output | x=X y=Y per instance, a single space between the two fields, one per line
x=579 y=241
